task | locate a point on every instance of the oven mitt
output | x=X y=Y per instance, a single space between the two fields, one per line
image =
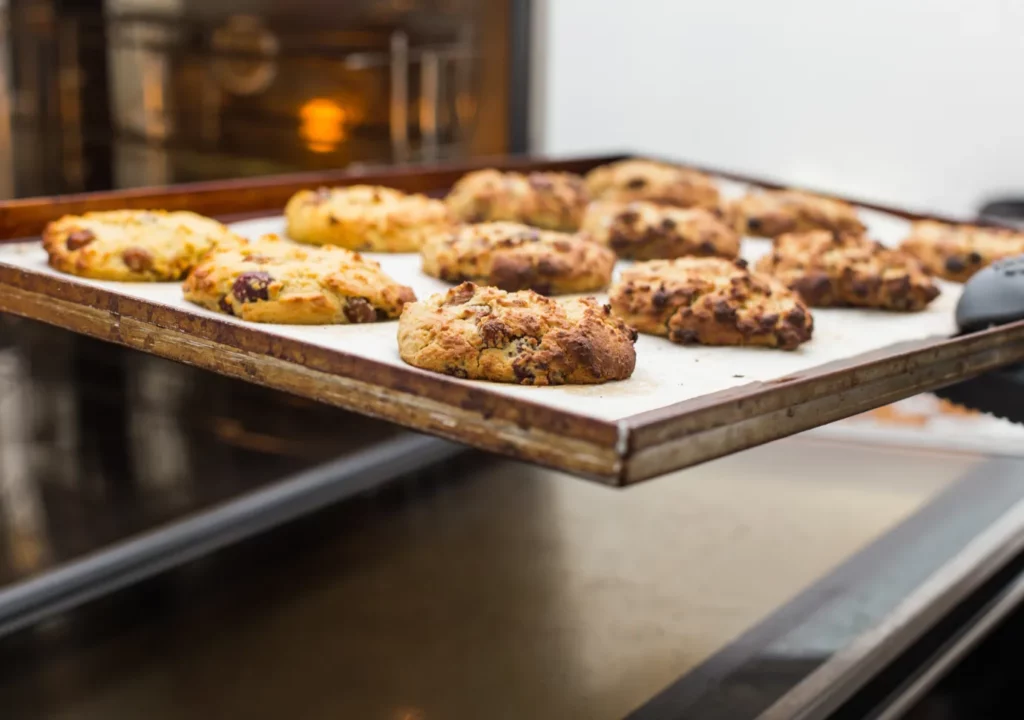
x=993 y=296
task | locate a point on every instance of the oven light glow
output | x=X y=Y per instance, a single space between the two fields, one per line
x=323 y=124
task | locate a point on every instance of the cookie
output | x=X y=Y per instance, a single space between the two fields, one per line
x=133 y=245
x=775 y=212
x=275 y=281
x=956 y=252
x=647 y=231
x=365 y=217
x=662 y=183
x=512 y=257
x=550 y=200
x=483 y=333
x=833 y=270
x=710 y=301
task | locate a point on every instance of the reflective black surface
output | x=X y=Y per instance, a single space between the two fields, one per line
x=986 y=684
x=98 y=443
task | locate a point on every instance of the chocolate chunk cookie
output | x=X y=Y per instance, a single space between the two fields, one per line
x=274 y=281
x=829 y=270
x=551 y=200
x=133 y=245
x=956 y=252
x=518 y=257
x=775 y=212
x=658 y=182
x=710 y=301
x=365 y=217
x=647 y=231
x=483 y=333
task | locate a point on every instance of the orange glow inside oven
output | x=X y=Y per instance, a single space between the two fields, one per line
x=323 y=124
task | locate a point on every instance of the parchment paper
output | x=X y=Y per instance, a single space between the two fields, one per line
x=665 y=373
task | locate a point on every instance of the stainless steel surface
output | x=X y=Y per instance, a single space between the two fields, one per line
x=509 y=592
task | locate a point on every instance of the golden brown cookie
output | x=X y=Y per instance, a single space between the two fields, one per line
x=833 y=270
x=710 y=301
x=275 y=281
x=956 y=252
x=658 y=182
x=483 y=333
x=771 y=213
x=551 y=200
x=365 y=217
x=133 y=245
x=512 y=257
x=646 y=231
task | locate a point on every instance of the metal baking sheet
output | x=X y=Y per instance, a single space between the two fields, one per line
x=666 y=373
x=682 y=405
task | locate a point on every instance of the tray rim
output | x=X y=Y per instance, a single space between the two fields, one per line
x=619 y=452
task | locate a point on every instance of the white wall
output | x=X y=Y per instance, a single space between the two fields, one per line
x=920 y=102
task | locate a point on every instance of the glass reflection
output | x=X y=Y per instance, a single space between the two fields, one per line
x=98 y=443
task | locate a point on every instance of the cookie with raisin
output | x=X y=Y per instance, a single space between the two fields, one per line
x=513 y=257
x=653 y=181
x=833 y=270
x=133 y=245
x=956 y=252
x=711 y=301
x=771 y=213
x=368 y=218
x=484 y=333
x=272 y=280
x=550 y=200
x=644 y=230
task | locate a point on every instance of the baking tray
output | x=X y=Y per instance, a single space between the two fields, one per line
x=683 y=405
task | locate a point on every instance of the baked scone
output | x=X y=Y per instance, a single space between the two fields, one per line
x=483 y=333
x=133 y=245
x=644 y=230
x=956 y=252
x=275 y=281
x=771 y=213
x=512 y=257
x=833 y=270
x=710 y=301
x=365 y=217
x=628 y=180
x=551 y=200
